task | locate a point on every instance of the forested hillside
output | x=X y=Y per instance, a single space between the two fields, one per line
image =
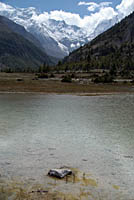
x=112 y=49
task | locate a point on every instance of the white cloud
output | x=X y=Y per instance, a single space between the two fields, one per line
x=125 y=8
x=41 y=17
x=92 y=6
x=105 y=4
x=92 y=21
x=105 y=12
x=88 y=23
x=69 y=18
x=84 y=3
x=59 y=15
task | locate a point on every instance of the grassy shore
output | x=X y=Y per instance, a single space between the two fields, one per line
x=26 y=82
x=82 y=187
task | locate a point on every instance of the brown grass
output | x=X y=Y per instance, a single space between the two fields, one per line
x=9 y=83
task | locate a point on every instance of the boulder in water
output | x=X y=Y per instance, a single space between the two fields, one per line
x=59 y=173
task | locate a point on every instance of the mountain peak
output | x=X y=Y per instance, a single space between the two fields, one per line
x=62 y=32
x=56 y=36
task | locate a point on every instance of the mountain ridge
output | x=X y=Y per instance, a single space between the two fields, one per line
x=16 y=52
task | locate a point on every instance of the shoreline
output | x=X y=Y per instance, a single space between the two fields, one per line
x=85 y=185
x=70 y=94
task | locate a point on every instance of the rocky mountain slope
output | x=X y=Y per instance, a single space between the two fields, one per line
x=115 y=47
x=17 y=52
x=21 y=31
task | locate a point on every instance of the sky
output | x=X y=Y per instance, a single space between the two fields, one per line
x=86 y=14
x=65 y=5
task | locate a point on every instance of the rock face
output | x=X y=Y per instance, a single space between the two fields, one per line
x=59 y=173
x=21 y=31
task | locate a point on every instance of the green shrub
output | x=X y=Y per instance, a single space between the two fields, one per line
x=19 y=79
x=107 y=78
x=132 y=81
x=67 y=79
x=8 y=70
x=52 y=75
x=73 y=75
x=43 y=75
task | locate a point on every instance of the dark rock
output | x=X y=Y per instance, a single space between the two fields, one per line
x=59 y=173
x=128 y=157
x=84 y=160
x=20 y=79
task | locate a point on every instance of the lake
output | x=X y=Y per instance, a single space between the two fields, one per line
x=93 y=134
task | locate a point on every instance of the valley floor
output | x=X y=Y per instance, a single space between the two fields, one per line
x=27 y=82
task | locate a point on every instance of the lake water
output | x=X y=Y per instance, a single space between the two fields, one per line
x=92 y=134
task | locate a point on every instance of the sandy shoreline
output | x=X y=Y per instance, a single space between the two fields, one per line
x=72 y=94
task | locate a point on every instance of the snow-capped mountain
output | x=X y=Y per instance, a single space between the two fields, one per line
x=56 y=37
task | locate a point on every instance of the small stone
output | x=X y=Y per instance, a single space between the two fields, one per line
x=128 y=157
x=84 y=160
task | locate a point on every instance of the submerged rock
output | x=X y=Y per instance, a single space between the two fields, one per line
x=59 y=173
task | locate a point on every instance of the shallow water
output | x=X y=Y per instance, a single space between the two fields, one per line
x=92 y=134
